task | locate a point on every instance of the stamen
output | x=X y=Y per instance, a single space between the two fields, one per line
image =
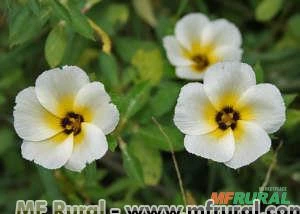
x=227 y=117
x=72 y=123
x=201 y=62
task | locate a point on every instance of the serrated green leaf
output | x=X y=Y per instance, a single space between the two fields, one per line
x=150 y=160
x=108 y=71
x=131 y=165
x=152 y=136
x=55 y=45
x=267 y=9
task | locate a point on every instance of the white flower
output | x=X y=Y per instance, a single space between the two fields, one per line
x=227 y=118
x=63 y=120
x=199 y=43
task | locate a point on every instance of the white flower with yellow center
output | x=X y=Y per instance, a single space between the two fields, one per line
x=199 y=43
x=227 y=118
x=63 y=120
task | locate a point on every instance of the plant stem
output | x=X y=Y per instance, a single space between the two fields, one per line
x=272 y=166
x=174 y=160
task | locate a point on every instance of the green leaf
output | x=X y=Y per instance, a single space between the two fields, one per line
x=144 y=9
x=289 y=99
x=131 y=165
x=90 y=174
x=60 y=10
x=112 y=143
x=126 y=47
x=152 y=136
x=165 y=99
x=80 y=23
x=267 y=9
x=2 y=99
x=149 y=65
x=259 y=72
x=6 y=139
x=34 y=6
x=23 y=26
x=50 y=184
x=150 y=160
x=136 y=99
x=293 y=26
x=108 y=70
x=55 y=45
x=293 y=119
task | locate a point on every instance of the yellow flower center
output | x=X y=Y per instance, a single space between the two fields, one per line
x=227 y=117
x=72 y=123
x=202 y=56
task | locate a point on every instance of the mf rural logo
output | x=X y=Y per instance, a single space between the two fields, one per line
x=267 y=195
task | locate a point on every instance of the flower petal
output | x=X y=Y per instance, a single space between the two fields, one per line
x=52 y=153
x=57 y=88
x=228 y=53
x=217 y=145
x=187 y=72
x=251 y=142
x=89 y=145
x=93 y=103
x=225 y=82
x=221 y=32
x=263 y=104
x=31 y=120
x=194 y=114
x=188 y=29
x=175 y=53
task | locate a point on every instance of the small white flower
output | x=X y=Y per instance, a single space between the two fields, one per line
x=199 y=43
x=63 y=120
x=227 y=118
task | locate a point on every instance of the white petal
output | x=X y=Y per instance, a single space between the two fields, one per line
x=225 y=82
x=228 y=53
x=57 y=88
x=263 y=104
x=217 y=145
x=89 y=145
x=52 y=153
x=250 y=143
x=31 y=120
x=194 y=114
x=188 y=30
x=187 y=72
x=221 y=32
x=175 y=53
x=95 y=105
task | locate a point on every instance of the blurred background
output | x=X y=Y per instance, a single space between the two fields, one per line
x=120 y=44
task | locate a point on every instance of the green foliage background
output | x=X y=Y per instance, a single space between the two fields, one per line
x=36 y=35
